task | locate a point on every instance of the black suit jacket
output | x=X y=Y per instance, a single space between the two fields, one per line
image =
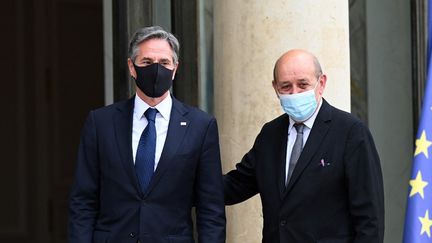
x=107 y=204
x=339 y=202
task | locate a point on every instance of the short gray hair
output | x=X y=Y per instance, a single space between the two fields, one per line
x=318 y=70
x=153 y=32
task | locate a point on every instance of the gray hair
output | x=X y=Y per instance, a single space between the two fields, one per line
x=318 y=70
x=153 y=32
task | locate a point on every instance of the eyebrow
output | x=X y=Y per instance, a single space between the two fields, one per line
x=145 y=59
x=151 y=59
x=284 y=82
x=302 y=80
x=165 y=59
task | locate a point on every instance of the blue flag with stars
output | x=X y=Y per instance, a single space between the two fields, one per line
x=418 y=218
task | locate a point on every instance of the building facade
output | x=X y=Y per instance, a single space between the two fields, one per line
x=65 y=57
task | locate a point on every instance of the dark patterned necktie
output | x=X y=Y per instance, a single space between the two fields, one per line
x=145 y=156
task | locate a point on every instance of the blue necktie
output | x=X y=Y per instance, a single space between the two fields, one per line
x=145 y=156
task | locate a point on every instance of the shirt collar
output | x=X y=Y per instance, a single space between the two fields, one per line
x=309 y=122
x=164 y=107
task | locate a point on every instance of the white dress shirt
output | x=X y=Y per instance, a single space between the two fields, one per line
x=161 y=122
x=292 y=134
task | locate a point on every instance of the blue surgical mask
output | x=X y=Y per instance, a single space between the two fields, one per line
x=300 y=106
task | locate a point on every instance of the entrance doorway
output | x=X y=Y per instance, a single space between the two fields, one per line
x=52 y=75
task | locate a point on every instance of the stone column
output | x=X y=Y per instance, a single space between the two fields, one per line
x=248 y=38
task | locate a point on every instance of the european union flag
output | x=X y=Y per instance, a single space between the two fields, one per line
x=418 y=218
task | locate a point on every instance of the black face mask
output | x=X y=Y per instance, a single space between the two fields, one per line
x=154 y=80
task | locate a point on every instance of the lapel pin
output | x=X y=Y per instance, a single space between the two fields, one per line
x=323 y=163
x=182 y=123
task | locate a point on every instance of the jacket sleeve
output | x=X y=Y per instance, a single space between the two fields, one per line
x=240 y=184
x=84 y=199
x=209 y=196
x=365 y=186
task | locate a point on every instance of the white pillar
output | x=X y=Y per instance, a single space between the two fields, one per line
x=249 y=36
x=108 y=52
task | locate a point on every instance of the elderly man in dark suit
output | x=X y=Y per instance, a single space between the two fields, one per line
x=316 y=167
x=145 y=162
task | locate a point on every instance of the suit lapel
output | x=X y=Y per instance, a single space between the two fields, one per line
x=318 y=132
x=123 y=133
x=177 y=127
x=282 y=140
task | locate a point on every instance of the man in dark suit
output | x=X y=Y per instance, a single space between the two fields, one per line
x=316 y=167
x=145 y=162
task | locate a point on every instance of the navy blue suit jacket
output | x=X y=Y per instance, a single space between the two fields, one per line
x=107 y=204
x=335 y=194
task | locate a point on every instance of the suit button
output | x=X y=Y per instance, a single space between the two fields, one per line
x=132 y=235
x=283 y=223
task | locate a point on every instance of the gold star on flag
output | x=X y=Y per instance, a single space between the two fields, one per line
x=417 y=185
x=422 y=145
x=426 y=224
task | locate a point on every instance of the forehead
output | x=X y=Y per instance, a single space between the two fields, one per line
x=154 y=48
x=294 y=69
x=286 y=74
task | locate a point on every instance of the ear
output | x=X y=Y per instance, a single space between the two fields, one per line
x=322 y=84
x=175 y=70
x=132 y=71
